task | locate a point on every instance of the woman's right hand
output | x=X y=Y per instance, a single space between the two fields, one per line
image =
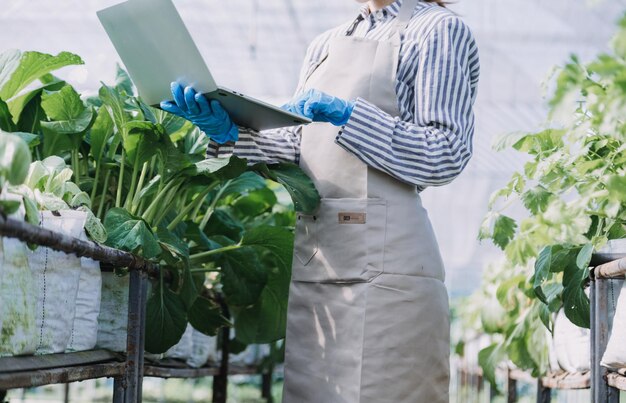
x=211 y=117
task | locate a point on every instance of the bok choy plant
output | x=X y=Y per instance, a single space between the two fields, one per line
x=215 y=225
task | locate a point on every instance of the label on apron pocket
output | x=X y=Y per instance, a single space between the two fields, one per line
x=351 y=218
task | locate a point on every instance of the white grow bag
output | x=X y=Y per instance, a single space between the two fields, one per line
x=84 y=332
x=204 y=348
x=56 y=276
x=113 y=317
x=17 y=297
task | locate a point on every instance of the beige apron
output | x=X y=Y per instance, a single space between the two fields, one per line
x=368 y=309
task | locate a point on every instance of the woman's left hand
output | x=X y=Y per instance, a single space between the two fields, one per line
x=321 y=107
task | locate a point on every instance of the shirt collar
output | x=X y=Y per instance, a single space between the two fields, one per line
x=391 y=10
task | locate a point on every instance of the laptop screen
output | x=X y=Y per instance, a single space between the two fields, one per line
x=156 y=48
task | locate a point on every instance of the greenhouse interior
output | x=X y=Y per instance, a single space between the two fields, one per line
x=427 y=204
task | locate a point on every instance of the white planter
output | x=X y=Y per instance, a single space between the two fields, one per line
x=184 y=348
x=17 y=296
x=252 y=355
x=113 y=317
x=204 y=348
x=56 y=276
x=84 y=332
x=571 y=345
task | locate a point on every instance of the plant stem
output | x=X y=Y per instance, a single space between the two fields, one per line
x=95 y=182
x=104 y=193
x=211 y=209
x=167 y=205
x=142 y=177
x=202 y=255
x=118 y=197
x=204 y=270
x=155 y=202
x=187 y=209
x=76 y=167
x=133 y=184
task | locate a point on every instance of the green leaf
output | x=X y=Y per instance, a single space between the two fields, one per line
x=31 y=211
x=266 y=320
x=172 y=244
x=584 y=256
x=101 y=131
x=536 y=200
x=9 y=60
x=277 y=241
x=6 y=120
x=248 y=181
x=301 y=188
x=15 y=159
x=166 y=320
x=206 y=317
x=112 y=100
x=489 y=358
x=62 y=105
x=18 y=104
x=243 y=277
x=9 y=206
x=575 y=301
x=70 y=119
x=30 y=119
x=141 y=141
x=503 y=231
x=31 y=139
x=222 y=223
x=94 y=227
x=123 y=84
x=492 y=316
x=616 y=186
x=255 y=203
x=130 y=233
x=543 y=141
x=32 y=66
x=221 y=169
x=542 y=271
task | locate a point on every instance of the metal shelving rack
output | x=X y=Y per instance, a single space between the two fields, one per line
x=606 y=385
x=127 y=369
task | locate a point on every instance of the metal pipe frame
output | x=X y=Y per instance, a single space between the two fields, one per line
x=601 y=391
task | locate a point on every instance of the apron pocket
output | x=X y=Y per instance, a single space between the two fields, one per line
x=344 y=242
x=305 y=243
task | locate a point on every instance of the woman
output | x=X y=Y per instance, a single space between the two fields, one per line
x=368 y=309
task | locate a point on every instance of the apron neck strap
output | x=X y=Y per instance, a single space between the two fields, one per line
x=354 y=25
x=404 y=16
x=400 y=23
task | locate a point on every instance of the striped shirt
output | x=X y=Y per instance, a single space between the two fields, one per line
x=430 y=143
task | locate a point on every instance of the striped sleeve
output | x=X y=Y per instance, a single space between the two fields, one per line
x=436 y=145
x=269 y=146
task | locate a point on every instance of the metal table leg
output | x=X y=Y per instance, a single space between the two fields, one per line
x=602 y=392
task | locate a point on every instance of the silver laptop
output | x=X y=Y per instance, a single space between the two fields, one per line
x=156 y=48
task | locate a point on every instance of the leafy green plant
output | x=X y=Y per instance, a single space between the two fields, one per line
x=215 y=225
x=14 y=162
x=573 y=188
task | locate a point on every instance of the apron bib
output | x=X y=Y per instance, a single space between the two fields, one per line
x=368 y=310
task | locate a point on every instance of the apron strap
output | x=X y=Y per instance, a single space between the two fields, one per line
x=354 y=25
x=404 y=17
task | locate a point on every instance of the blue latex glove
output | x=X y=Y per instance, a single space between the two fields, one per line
x=321 y=107
x=211 y=117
